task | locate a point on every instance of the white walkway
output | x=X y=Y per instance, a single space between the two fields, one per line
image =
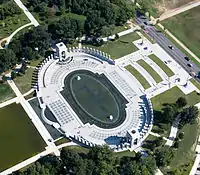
x=8 y=39
x=13 y=100
x=27 y=13
x=173 y=132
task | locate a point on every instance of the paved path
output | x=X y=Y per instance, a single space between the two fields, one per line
x=125 y=32
x=13 y=100
x=35 y=158
x=173 y=131
x=179 y=10
x=8 y=39
x=27 y=13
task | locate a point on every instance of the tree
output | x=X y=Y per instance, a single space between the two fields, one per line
x=38 y=39
x=181 y=102
x=7 y=59
x=116 y=36
x=181 y=135
x=169 y=112
x=72 y=161
x=176 y=144
x=4 y=79
x=189 y=115
x=164 y=156
x=158 y=141
x=13 y=75
x=23 y=67
x=16 y=46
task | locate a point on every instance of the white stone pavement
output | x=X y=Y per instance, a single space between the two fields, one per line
x=13 y=100
x=125 y=32
x=173 y=132
x=27 y=13
x=35 y=158
x=34 y=118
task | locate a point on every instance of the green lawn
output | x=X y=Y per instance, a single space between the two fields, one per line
x=6 y=92
x=117 y=29
x=24 y=82
x=10 y=24
x=120 y=47
x=35 y=63
x=185 y=27
x=186 y=151
x=125 y=153
x=19 y=138
x=61 y=141
x=184 y=156
x=193 y=81
x=150 y=70
x=171 y=95
x=78 y=149
x=162 y=65
x=138 y=76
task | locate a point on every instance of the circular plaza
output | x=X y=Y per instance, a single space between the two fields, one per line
x=89 y=99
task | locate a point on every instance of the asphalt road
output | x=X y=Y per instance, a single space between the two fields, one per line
x=175 y=53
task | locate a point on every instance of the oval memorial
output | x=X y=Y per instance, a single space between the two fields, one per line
x=94 y=99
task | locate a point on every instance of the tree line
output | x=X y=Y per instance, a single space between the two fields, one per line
x=8 y=9
x=100 y=15
x=100 y=160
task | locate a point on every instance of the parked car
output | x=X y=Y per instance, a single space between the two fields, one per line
x=186 y=58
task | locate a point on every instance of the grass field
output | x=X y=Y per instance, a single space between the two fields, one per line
x=150 y=70
x=117 y=29
x=120 y=47
x=35 y=63
x=138 y=76
x=171 y=95
x=6 y=92
x=185 y=27
x=193 y=81
x=162 y=65
x=19 y=138
x=11 y=23
x=186 y=151
x=61 y=141
x=24 y=82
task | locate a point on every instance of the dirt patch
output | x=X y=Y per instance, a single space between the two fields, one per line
x=165 y=5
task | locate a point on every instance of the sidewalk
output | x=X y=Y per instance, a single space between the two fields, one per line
x=27 y=13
